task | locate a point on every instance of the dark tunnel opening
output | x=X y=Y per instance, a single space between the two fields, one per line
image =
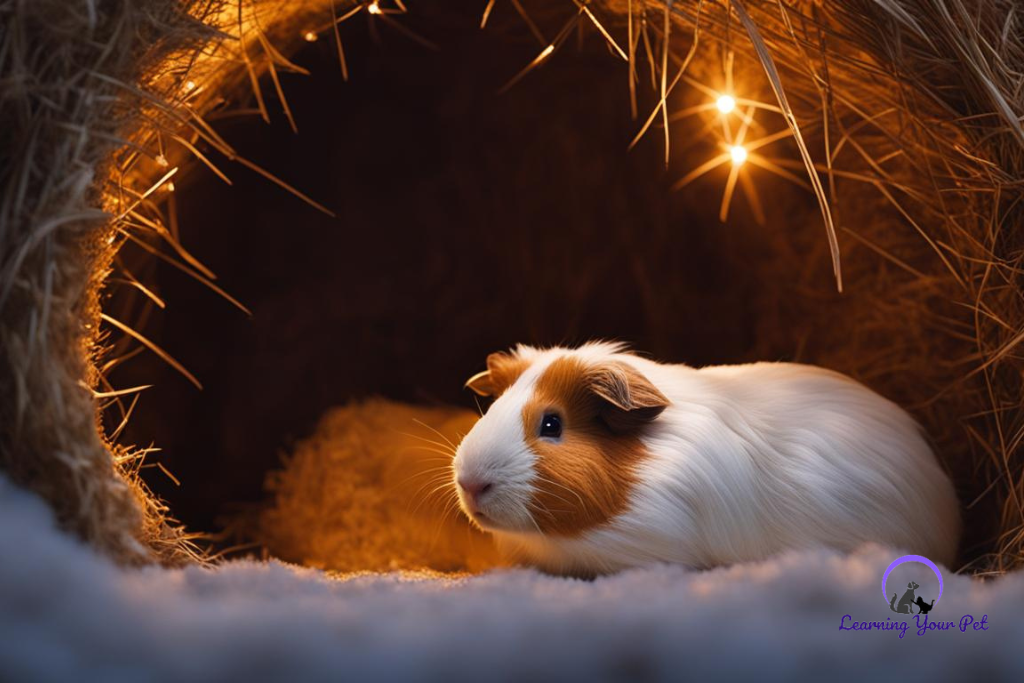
x=468 y=220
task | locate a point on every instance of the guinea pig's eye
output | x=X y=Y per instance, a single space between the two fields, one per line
x=551 y=426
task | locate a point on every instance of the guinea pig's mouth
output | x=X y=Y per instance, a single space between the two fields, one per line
x=484 y=521
x=480 y=518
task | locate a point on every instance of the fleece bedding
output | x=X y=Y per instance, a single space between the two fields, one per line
x=68 y=614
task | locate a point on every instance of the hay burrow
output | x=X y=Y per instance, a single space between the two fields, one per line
x=911 y=110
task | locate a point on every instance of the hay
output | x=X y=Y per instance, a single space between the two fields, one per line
x=369 y=491
x=66 y=101
x=910 y=110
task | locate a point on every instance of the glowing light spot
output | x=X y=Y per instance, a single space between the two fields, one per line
x=374 y=8
x=726 y=103
x=190 y=86
x=161 y=161
x=169 y=187
x=738 y=154
x=310 y=36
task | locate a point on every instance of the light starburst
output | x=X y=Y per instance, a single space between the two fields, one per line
x=731 y=119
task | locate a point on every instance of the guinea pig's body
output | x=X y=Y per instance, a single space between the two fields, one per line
x=593 y=460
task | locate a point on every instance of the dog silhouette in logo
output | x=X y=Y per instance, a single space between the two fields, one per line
x=924 y=606
x=906 y=603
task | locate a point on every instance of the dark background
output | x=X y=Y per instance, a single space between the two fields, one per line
x=467 y=221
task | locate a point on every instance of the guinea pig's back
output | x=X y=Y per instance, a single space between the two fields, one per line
x=768 y=456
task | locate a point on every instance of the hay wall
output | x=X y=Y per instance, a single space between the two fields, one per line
x=919 y=102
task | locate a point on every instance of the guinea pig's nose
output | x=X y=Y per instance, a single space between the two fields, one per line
x=474 y=488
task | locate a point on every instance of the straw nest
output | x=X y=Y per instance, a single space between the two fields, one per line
x=354 y=496
x=908 y=111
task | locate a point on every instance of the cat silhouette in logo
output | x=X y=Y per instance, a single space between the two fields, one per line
x=925 y=607
x=906 y=603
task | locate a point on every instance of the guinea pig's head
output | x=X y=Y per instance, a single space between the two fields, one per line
x=557 y=451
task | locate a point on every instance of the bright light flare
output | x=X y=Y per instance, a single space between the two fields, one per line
x=310 y=36
x=725 y=103
x=374 y=8
x=738 y=154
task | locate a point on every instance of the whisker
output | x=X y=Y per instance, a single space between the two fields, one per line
x=450 y=507
x=447 y=454
x=424 y=424
x=563 y=486
x=428 y=490
x=567 y=502
x=417 y=475
x=437 y=484
x=420 y=500
x=439 y=444
x=533 y=521
x=439 y=527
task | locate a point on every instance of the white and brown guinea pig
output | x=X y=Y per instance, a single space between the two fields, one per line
x=592 y=460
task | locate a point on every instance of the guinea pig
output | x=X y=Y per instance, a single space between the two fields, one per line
x=592 y=460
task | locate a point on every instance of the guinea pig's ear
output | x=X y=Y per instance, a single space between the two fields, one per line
x=503 y=369
x=628 y=399
x=481 y=383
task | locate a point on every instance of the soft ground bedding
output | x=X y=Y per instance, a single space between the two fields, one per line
x=66 y=614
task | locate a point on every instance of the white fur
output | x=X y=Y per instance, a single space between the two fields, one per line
x=746 y=462
x=500 y=454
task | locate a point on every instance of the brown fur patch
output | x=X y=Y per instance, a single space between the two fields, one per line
x=503 y=369
x=585 y=479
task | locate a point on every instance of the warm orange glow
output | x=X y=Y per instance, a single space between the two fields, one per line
x=738 y=154
x=377 y=504
x=169 y=187
x=310 y=36
x=725 y=103
x=190 y=86
x=374 y=8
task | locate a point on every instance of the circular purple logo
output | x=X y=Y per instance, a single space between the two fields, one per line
x=911 y=558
